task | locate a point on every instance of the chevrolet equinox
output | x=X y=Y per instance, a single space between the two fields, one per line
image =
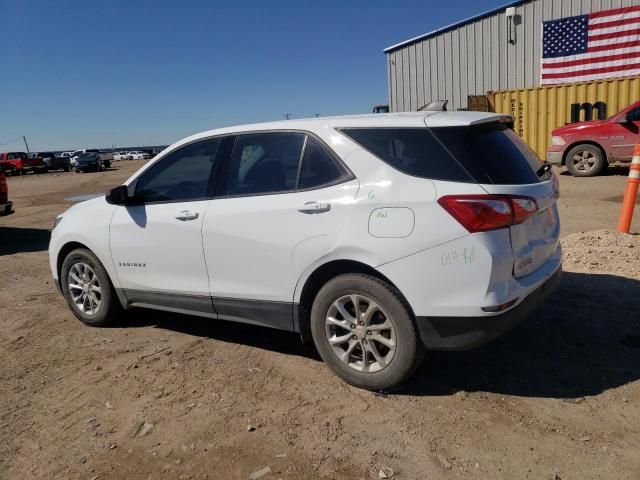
x=376 y=236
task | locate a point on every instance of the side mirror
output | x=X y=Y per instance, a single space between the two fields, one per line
x=118 y=195
x=623 y=119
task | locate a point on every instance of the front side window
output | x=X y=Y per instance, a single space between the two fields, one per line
x=264 y=163
x=180 y=176
x=318 y=167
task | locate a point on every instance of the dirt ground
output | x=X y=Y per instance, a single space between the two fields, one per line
x=168 y=396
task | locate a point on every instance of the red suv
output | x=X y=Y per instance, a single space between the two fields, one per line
x=5 y=204
x=587 y=148
x=17 y=163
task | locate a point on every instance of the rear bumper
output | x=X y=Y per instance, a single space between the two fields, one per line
x=465 y=333
x=6 y=208
x=59 y=164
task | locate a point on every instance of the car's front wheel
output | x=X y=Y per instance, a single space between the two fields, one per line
x=88 y=290
x=364 y=331
x=585 y=161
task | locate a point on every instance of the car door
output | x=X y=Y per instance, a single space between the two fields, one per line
x=284 y=199
x=624 y=135
x=156 y=241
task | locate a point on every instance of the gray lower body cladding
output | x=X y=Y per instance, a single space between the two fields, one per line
x=258 y=312
x=465 y=333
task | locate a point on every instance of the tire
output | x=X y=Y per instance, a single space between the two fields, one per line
x=398 y=364
x=66 y=169
x=108 y=308
x=585 y=160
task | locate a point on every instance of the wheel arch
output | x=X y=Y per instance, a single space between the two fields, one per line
x=69 y=247
x=318 y=278
x=584 y=142
x=65 y=250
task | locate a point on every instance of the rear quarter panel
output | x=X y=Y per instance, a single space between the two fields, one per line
x=383 y=193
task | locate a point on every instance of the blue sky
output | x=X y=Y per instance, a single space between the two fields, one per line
x=79 y=73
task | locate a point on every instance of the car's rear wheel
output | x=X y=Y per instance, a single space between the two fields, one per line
x=364 y=331
x=585 y=161
x=88 y=290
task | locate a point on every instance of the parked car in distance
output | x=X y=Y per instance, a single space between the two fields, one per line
x=118 y=156
x=106 y=157
x=587 y=148
x=52 y=161
x=376 y=236
x=138 y=155
x=88 y=162
x=6 y=206
x=18 y=163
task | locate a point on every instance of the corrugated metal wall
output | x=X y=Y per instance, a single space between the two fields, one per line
x=537 y=111
x=477 y=57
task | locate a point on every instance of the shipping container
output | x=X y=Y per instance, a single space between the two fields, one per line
x=537 y=111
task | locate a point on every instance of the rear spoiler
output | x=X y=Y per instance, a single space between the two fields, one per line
x=504 y=119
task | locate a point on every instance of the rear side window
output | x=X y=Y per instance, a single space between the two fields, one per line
x=634 y=115
x=489 y=153
x=182 y=175
x=492 y=153
x=264 y=163
x=318 y=167
x=413 y=151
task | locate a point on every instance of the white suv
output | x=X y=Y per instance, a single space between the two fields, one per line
x=376 y=236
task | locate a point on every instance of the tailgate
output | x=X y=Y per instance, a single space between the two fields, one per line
x=535 y=240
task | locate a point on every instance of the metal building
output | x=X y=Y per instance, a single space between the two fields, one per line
x=496 y=50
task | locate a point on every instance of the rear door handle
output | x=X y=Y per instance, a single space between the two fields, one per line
x=315 y=207
x=185 y=215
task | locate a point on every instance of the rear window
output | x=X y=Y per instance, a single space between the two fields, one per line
x=413 y=151
x=488 y=153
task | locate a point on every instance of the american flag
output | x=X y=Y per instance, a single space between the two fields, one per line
x=590 y=47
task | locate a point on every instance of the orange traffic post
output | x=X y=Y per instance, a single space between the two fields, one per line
x=630 y=192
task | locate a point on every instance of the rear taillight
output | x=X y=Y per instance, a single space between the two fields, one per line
x=3 y=184
x=556 y=185
x=480 y=213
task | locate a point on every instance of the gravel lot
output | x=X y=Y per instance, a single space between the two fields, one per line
x=168 y=396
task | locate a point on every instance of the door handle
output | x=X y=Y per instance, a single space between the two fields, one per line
x=315 y=207
x=185 y=215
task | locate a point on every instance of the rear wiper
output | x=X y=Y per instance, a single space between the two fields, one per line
x=546 y=166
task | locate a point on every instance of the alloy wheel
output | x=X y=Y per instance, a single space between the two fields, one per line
x=584 y=161
x=84 y=288
x=361 y=333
